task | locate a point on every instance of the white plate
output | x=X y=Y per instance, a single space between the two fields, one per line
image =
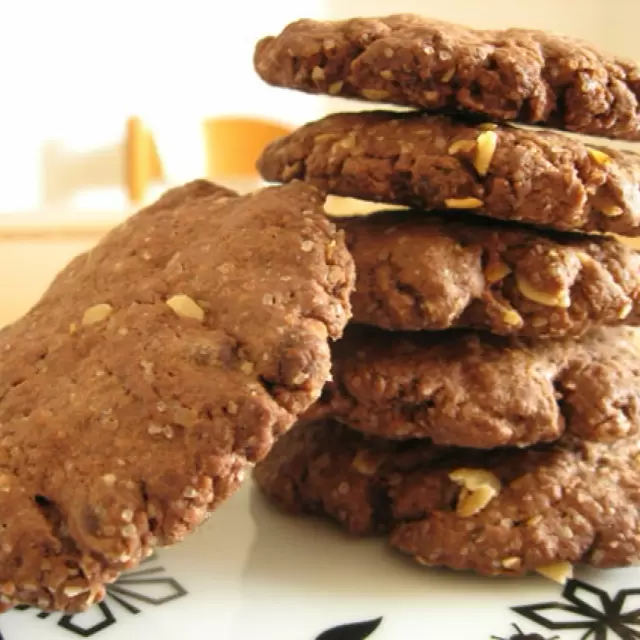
x=252 y=573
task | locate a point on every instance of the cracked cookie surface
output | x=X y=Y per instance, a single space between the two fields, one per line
x=432 y=272
x=437 y=162
x=513 y=74
x=155 y=368
x=468 y=389
x=505 y=512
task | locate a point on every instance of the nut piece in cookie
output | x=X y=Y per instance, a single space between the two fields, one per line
x=152 y=372
x=550 y=507
x=476 y=390
x=437 y=162
x=417 y=271
x=522 y=75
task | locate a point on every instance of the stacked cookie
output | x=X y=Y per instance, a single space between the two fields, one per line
x=154 y=371
x=484 y=410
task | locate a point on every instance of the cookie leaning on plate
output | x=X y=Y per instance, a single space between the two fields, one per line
x=469 y=389
x=432 y=272
x=503 y=512
x=516 y=74
x=152 y=372
x=437 y=162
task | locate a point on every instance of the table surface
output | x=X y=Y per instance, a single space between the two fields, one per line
x=28 y=265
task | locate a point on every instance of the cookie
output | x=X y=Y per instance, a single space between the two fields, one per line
x=155 y=368
x=437 y=162
x=515 y=74
x=434 y=272
x=482 y=391
x=505 y=512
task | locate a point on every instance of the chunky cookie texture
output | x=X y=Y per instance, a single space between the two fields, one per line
x=433 y=272
x=437 y=162
x=516 y=74
x=154 y=369
x=477 y=390
x=504 y=512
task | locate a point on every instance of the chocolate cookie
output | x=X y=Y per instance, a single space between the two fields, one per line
x=434 y=272
x=154 y=369
x=503 y=512
x=478 y=390
x=516 y=74
x=436 y=162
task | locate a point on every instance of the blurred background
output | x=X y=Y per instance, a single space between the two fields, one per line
x=106 y=103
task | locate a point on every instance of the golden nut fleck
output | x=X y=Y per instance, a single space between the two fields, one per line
x=535 y=520
x=479 y=488
x=317 y=75
x=611 y=210
x=463 y=203
x=386 y=74
x=335 y=88
x=495 y=270
x=512 y=318
x=247 y=367
x=558 y=571
x=290 y=171
x=487 y=126
x=366 y=463
x=598 y=156
x=509 y=315
x=487 y=143
x=97 y=313
x=511 y=563
x=185 y=307
x=448 y=75
x=585 y=258
x=626 y=310
x=375 y=94
x=461 y=145
x=74 y=592
x=472 y=502
x=561 y=299
x=473 y=479
x=5 y=482
x=349 y=142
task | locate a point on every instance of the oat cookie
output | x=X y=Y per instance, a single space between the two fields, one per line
x=475 y=390
x=515 y=74
x=437 y=162
x=154 y=369
x=507 y=511
x=433 y=272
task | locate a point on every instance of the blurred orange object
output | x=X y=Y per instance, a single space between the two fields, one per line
x=142 y=163
x=232 y=145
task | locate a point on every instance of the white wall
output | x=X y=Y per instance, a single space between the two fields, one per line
x=72 y=71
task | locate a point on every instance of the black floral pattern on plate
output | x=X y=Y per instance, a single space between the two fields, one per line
x=147 y=585
x=352 y=631
x=521 y=635
x=589 y=609
x=585 y=608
